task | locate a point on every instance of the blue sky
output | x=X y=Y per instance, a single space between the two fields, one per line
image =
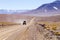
x=22 y=4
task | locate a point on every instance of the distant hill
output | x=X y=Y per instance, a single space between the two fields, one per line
x=3 y=11
x=48 y=9
x=13 y=18
x=46 y=12
x=54 y=6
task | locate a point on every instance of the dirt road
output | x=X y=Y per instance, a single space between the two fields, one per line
x=10 y=32
x=31 y=31
x=6 y=32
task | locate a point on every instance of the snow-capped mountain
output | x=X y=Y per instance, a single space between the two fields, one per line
x=3 y=11
x=48 y=9
x=54 y=6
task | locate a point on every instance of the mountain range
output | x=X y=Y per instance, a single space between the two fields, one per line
x=48 y=8
x=49 y=11
x=54 y=6
x=3 y=11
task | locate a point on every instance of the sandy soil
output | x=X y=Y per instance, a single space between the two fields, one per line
x=31 y=31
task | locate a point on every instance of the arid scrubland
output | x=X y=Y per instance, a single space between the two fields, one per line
x=36 y=28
